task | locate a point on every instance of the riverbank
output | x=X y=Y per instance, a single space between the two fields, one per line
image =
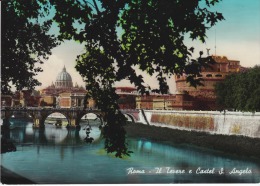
x=9 y=177
x=238 y=145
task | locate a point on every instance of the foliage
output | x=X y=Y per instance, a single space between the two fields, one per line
x=98 y=72
x=240 y=91
x=25 y=43
x=122 y=36
x=147 y=34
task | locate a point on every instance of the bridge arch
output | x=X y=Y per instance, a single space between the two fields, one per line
x=133 y=119
x=98 y=116
x=87 y=115
x=53 y=114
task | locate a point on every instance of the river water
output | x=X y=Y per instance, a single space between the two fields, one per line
x=61 y=156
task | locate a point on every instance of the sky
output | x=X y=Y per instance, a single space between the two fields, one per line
x=237 y=37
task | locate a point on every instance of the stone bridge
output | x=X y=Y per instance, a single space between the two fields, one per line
x=73 y=115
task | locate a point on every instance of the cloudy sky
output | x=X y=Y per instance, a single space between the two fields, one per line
x=237 y=37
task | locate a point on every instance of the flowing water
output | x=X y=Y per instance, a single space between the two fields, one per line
x=61 y=156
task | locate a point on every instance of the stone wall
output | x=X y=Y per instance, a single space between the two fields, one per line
x=227 y=123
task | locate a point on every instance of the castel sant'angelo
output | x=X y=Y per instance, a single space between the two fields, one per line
x=191 y=98
x=204 y=97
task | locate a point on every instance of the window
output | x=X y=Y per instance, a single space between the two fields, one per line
x=209 y=75
x=218 y=75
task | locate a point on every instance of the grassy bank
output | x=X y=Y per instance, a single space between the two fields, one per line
x=239 y=145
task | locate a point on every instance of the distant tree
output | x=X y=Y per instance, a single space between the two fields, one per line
x=121 y=36
x=240 y=91
x=25 y=43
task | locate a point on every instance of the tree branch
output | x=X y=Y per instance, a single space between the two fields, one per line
x=89 y=4
x=95 y=3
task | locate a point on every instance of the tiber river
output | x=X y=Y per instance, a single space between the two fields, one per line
x=61 y=156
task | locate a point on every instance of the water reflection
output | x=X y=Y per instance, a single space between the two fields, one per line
x=144 y=146
x=52 y=155
x=24 y=133
x=199 y=161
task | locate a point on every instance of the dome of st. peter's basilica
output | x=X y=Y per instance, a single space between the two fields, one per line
x=63 y=79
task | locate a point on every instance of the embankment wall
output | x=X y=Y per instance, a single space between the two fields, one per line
x=214 y=122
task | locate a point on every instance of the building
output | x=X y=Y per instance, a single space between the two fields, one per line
x=177 y=101
x=153 y=102
x=204 y=97
x=23 y=98
x=127 y=96
x=62 y=93
x=63 y=80
x=63 y=83
x=144 y=102
x=6 y=100
x=191 y=98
